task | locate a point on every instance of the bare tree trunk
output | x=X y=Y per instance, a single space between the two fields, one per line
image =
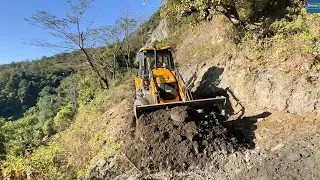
x=142 y=37
x=128 y=50
x=127 y=64
x=63 y=28
x=129 y=53
x=104 y=80
x=114 y=66
x=232 y=14
x=75 y=95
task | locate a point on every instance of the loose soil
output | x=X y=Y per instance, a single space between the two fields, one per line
x=264 y=144
x=286 y=146
x=163 y=143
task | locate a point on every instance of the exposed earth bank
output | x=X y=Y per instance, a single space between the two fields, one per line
x=263 y=144
x=272 y=145
x=273 y=103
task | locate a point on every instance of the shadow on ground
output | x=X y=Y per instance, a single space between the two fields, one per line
x=243 y=127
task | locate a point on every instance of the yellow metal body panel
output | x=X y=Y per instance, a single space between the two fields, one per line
x=181 y=92
x=164 y=75
x=151 y=49
x=153 y=92
x=138 y=82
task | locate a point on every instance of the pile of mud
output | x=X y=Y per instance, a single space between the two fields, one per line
x=177 y=139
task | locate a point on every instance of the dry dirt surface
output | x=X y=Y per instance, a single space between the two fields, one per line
x=296 y=160
x=268 y=145
x=162 y=143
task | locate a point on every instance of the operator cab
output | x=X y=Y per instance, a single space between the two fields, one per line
x=157 y=64
x=147 y=59
x=164 y=60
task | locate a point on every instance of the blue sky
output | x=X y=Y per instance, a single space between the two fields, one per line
x=16 y=33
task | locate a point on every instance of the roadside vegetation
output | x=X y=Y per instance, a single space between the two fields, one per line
x=51 y=107
x=54 y=112
x=264 y=33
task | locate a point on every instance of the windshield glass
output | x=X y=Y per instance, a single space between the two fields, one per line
x=164 y=59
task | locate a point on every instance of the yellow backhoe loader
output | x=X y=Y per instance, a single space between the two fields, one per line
x=159 y=85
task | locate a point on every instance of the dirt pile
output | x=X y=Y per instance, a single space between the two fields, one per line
x=161 y=143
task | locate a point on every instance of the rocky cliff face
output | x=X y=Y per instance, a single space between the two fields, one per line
x=211 y=62
x=159 y=34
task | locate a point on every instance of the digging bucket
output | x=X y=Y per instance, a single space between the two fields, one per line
x=208 y=104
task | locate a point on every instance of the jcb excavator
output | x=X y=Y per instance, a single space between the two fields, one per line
x=159 y=85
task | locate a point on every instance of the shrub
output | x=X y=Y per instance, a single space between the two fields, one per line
x=2 y=139
x=43 y=163
x=64 y=117
x=48 y=128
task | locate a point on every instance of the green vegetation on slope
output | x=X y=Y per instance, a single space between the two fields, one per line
x=67 y=125
x=69 y=153
x=55 y=106
x=21 y=83
x=265 y=26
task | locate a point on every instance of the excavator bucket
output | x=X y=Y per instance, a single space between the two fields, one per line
x=207 y=104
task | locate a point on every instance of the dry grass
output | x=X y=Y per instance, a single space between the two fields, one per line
x=96 y=129
x=204 y=41
x=293 y=53
x=290 y=52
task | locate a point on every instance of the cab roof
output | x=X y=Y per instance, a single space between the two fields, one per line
x=151 y=49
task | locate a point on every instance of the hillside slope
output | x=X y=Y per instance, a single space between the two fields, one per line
x=273 y=72
x=57 y=120
x=272 y=87
x=270 y=76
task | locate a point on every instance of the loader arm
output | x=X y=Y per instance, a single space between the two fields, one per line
x=166 y=87
x=184 y=92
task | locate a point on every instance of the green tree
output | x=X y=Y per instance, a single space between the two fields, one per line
x=74 y=30
x=127 y=24
x=64 y=117
x=22 y=84
x=48 y=128
x=2 y=139
x=20 y=136
x=239 y=12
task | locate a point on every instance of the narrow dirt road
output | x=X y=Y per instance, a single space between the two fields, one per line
x=263 y=144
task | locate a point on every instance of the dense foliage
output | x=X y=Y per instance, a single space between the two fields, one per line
x=45 y=95
x=20 y=86
x=41 y=98
x=239 y=12
x=32 y=91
